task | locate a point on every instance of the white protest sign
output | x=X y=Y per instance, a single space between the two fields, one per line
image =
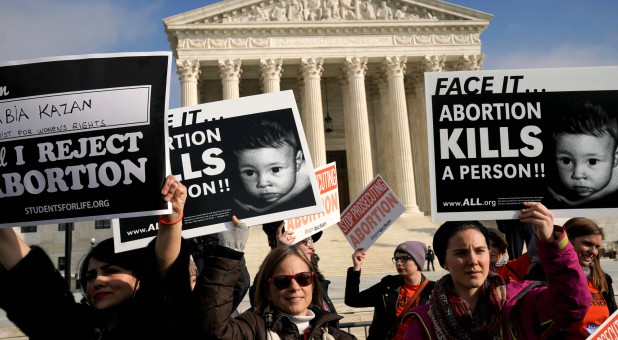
x=306 y=226
x=370 y=215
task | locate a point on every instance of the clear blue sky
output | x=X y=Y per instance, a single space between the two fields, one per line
x=522 y=34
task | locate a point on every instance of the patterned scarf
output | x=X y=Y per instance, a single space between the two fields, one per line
x=452 y=317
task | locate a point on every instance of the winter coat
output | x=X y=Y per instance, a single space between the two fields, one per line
x=213 y=306
x=531 y=309
x=36 y=299
x=383 y=297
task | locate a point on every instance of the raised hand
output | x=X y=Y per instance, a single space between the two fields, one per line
x=235 y=238
x=541 y=218
x=357 y=259
x=176 y=193
x=285 y=237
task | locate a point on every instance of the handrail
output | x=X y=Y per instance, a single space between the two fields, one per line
x=349 y=325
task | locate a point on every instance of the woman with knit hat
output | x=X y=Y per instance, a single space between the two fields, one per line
x=394 y=294
x=472 y=303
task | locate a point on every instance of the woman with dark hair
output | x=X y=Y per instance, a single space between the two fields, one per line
x=472 y=303
x=128 y=295
x=278 y=236
x=287 y=304
x=586 y=238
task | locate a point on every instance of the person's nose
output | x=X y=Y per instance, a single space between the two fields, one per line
x=294 y=286
x=473 y=258
x=98 y=282
x=579 y=171
x=264 y=180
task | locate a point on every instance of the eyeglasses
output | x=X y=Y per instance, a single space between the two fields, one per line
x=284 y=281
x=403 y=259
x=308 y=241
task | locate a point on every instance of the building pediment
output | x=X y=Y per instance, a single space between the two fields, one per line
x=323 y=11
x=335 y=28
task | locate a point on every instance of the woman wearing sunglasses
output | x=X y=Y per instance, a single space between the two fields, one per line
x=286 y=299
x=394 y=294
x=277 y=236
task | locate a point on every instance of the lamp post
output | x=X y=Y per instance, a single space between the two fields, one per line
x=328 y=121
x=68 y=243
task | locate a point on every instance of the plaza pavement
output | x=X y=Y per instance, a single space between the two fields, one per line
x=335 y=254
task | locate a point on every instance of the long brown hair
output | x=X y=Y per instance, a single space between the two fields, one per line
x=269 y=266
x=581 y=226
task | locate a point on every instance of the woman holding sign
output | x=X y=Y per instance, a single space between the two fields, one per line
x=586 y=238
x=128 y=295
x=472 y=303
x=394 y=295
x=288 y=304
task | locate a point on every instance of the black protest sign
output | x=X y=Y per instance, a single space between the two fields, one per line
x=83 y=137
x=501 y=138
x=246 y=157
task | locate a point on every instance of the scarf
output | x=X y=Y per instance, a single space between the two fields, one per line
x=451 y=314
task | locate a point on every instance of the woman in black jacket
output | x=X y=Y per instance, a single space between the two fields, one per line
x=288 y=302
x=128 y=295
x=394 y=295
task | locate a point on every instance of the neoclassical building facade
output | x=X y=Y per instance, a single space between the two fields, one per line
x=355 y=64
x=359 y=63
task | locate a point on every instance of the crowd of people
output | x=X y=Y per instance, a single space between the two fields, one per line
x=557 y=289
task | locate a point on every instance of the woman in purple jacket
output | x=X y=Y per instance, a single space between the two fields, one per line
x=472 y=303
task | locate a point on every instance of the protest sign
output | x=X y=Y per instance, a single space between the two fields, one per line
x=83 y=137
x=246 y=157
x=305 y=226
x=608 y=329
x=500 y=138
x=371 y=214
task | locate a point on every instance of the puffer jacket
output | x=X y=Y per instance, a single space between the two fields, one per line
x=531 y=310
x=383 y=297
x=213 y=307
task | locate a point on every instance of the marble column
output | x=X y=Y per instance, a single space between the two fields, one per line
x=387 y=162
x=434 y=63
x=313 y=116
x=418 y=138
x=395 y=67
x=357 y=140
x=188 y=71
x=270 y=74
x=300 y=83
x=230 y=72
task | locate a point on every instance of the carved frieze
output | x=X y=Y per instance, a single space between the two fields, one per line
x=330 y=41
x=326 y=10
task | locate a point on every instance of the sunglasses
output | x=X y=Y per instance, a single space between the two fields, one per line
x=308 y=241
x=284 y=281
x=403 y=259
